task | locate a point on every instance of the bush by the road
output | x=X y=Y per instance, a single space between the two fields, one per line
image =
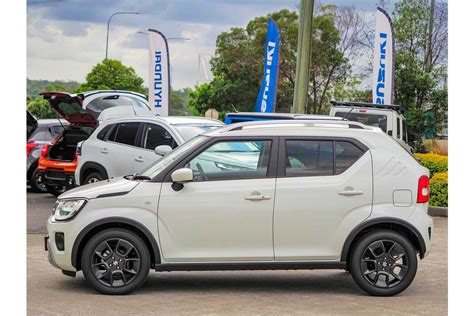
x=439 y=189
x=435 y=163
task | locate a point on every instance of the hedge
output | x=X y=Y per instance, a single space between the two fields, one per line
x=435 y=163
x=439 y=189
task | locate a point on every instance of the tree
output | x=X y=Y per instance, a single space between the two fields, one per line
x=40 y=108
x=421 y=61
x=112 y=75
x=238 y=64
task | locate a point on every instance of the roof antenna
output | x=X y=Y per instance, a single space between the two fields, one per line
x=344 y=118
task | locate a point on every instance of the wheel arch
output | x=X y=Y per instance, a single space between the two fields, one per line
x=120 y=222
x=32 y=169
x=89 y=167
x=389 y=223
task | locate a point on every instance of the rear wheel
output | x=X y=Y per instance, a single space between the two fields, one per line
x=93 y=177
x=36 y=182
x=383 y=263
x=116 y=261
x=55 y=190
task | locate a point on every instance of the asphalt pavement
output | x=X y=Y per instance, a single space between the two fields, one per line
x=234 y=292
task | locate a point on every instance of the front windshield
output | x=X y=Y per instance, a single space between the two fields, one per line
x=189 y=131
x=155 y=168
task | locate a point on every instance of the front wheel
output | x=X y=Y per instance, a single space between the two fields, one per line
x=115 y=261
x=383 y=263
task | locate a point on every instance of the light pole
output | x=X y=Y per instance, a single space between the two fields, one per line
x=108 y=28
x=303 y=56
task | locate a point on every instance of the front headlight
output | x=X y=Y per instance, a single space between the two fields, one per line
x=66 y=209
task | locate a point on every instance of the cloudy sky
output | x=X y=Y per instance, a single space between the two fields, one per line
x=65 y=38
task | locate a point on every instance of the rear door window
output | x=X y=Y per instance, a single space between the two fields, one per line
x=346 y=155
x=305 y=158
x=126 y=133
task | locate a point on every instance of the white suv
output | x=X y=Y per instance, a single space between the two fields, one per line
x=127 y=145
x=268 y=195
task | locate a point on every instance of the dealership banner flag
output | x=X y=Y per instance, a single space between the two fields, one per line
x=159 y=73
x=268 y=89
x=384 y=59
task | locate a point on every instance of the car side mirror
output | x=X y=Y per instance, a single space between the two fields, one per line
x=389 y=133
x=163 y=150
x=181 y=176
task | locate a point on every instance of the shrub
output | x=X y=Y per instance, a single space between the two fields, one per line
x=435 y=163
x=439 y=189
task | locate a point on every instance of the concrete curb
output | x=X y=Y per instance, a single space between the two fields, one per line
x=438 y=211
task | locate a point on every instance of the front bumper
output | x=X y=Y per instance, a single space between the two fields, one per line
x=57 y=177
x=60 y=259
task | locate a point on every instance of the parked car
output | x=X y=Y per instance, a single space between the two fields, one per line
x=389 y=118
x=83 y=111
x=240 y=117
x=39 y=133
x=127 y=145
x=308 y=195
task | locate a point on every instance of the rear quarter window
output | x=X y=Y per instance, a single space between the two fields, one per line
x=346 y=155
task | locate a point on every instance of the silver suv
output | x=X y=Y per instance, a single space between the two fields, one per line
x=127 y=145
x=254 y=196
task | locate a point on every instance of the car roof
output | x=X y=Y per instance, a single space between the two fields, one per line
x=285 y=115
x=173 y=120
x=292 y=128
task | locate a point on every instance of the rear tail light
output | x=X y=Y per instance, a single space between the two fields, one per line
x=423 y=189
x=44 y=151
x=30 y=146
x=75 y=155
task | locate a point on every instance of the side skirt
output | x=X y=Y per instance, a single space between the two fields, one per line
x=308 y=265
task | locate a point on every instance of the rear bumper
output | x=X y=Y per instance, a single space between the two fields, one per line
x=57 y=177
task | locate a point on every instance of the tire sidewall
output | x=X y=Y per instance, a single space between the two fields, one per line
x=34 y=185
x=363 y=243
x=138 y=243
x=94 y=174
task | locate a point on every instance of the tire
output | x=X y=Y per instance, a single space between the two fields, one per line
x=112 y=244
x=380 y=254
x=36 y=184
x=93 y=177
x=55 y=190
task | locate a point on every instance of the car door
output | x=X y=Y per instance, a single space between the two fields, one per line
x=152 y=135
x=226 y=212
x=120 y=149
x=331 y=180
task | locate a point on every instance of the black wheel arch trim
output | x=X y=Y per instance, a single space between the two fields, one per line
x=155 y=256
x=92 y=165
x=377 y=221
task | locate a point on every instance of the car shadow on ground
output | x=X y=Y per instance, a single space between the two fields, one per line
x=340 y=283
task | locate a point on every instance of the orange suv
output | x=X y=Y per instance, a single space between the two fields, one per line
x=83 y=111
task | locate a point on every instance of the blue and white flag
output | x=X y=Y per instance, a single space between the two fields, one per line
x=268 y=89
x=159 y=73
x=384 y=59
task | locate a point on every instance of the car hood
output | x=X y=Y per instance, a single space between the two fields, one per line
x=111 y=187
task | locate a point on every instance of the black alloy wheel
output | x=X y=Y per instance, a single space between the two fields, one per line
x=383 y=263
x=36 y=182
x=115 y=261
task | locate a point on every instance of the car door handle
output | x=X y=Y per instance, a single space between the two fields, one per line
x=139 y=159
x=351 y=192
x=104 y=151
x=257 y=196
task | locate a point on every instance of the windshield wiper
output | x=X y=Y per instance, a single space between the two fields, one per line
x=136 y=176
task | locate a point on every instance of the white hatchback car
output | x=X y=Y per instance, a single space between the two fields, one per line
x=127 y=145
x=267 y=195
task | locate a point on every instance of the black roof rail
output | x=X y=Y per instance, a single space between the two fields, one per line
x=393 y=107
